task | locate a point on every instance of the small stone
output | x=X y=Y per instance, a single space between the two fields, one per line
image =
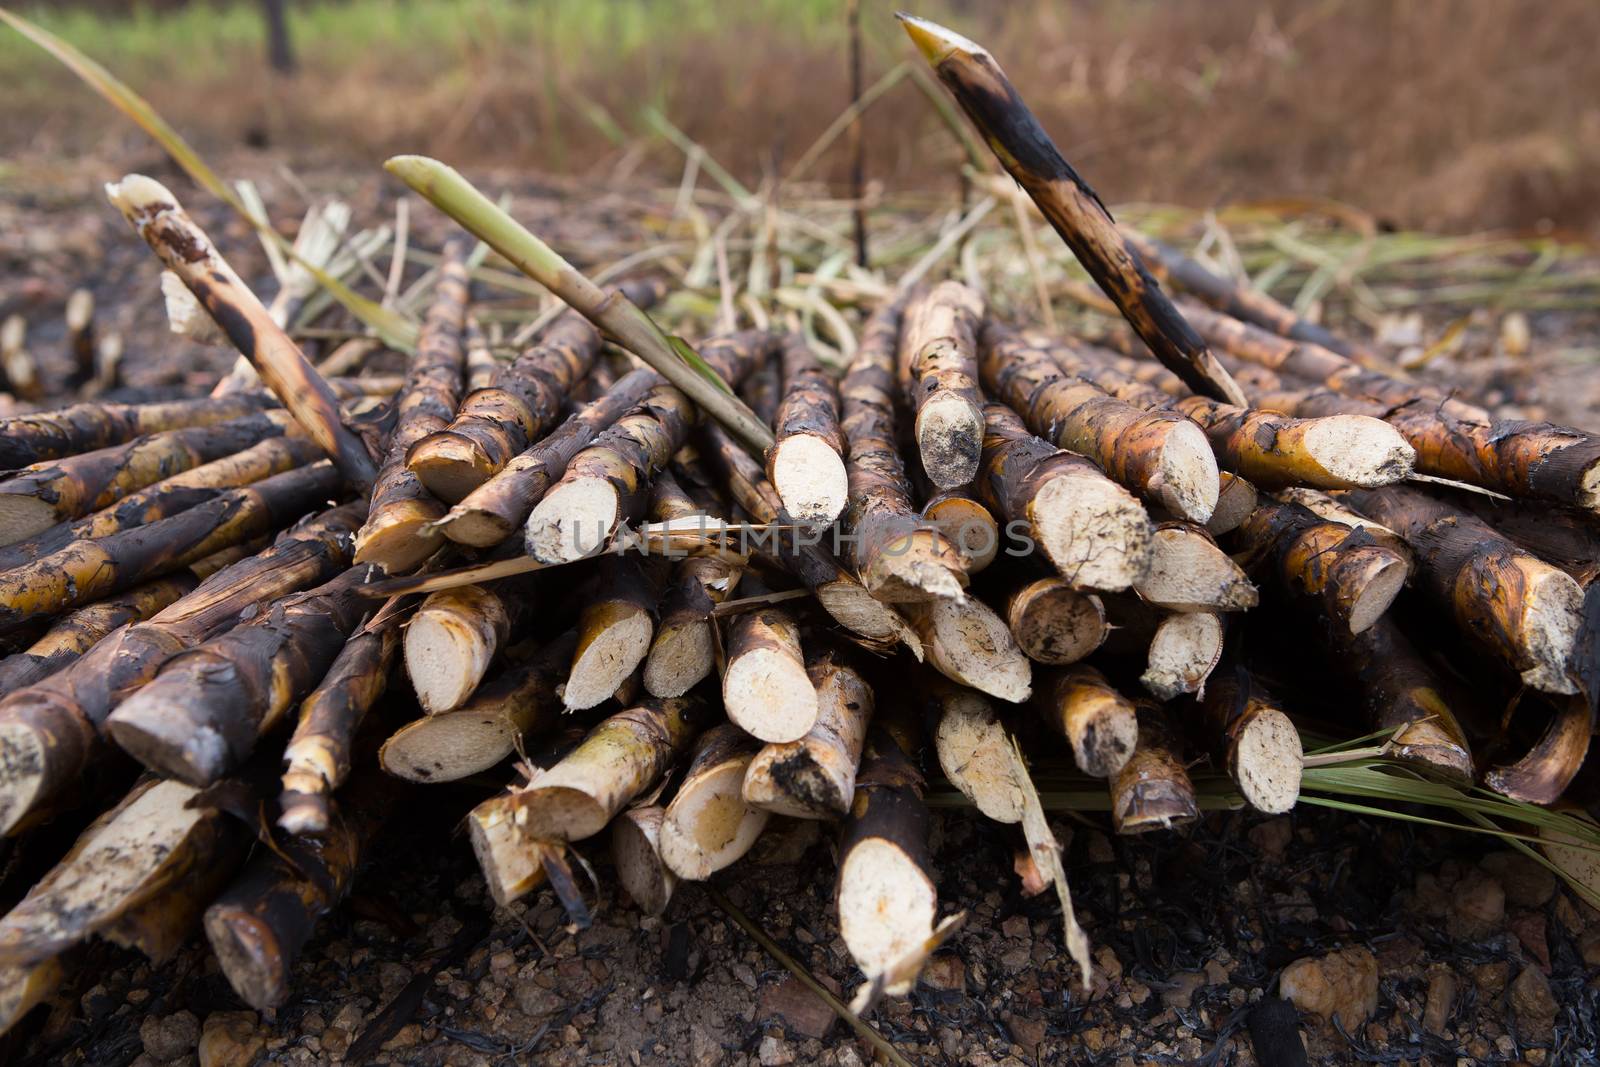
x=1016 y=927
x=1527 y=884
x=946 y=973
x=1108 y=963
x=1441 y=999
x=1529 y=930
x=1180 y=993
x=1272 y=837
x=775 y=1052
x=168 y=1037
x=231 y=1039
x=1029 y=1033
x=704 y=1049
x=406 y=1037
x=745 y=974
x=1535 y=1006
x=849 y=1057
x=802 y=1011
x=1342 y=983
x=1491 y=978
x=1477 y=907
x=1217 y=972
x=1015 y=960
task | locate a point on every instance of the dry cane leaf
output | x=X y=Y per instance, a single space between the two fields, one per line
x=1047 y=856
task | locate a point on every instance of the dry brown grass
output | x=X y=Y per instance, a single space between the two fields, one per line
x=1446 y=114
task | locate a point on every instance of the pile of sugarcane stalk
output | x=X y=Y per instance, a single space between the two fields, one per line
x=683 y=595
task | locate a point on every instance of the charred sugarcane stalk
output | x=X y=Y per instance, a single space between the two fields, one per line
x=317 y=759
x=26 y=439
x=1069 y=205
x=968 y=643
x=605 y=484
x=49 y=731
x=765 y=688
x=806 y=463
x=399 y=534
x=683 y=650
x=87 y=570
x=898 y=556
x=151 y=850
x=452 y=639
x=1350 y=575
x=186 y=251
x=1098 y=722
x=1188 y=572
x=497 y=509
x=80 y=631
x=1094 y=533
x=38 y=497
x=620 y=759
x=1337 y=510
x=1520 y=607
x=709 y=825
x=967 y=524
x=19 y=371
x=1176 y=650
x=262 y=921
x=1252 y=740
x=497 y=423
x=814 y=777
x=168 y=497
x=1153 y=791
x=1541 y=775
x=1337 y=451
x=202 y=713
x=636 y=851
x=1161 y=455
x=1053 y=623
x=614 y=630
x=871 y=622
x=938 y=357
x=521 y=701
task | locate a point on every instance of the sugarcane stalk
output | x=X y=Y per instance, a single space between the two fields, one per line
x=1176 y=650
x=1339 y=451
x=398 y=534
x=1542 y=774
x=168 y=497
x=806 y=463
x=765 y=689
x=150 y=845
x=1252 y=740
x=1188 y=572
x=612 y=313
x=619 y=759
x=1071 y=207
x=709 y=825
x=1521 y=608
x=81 y=630
x=202 y=713
x=974 y=751
x=605 y=484
x=1236 y=499
x=498 y=508
x=1563 y=538
x=186 y=251
x=968 y=643
x=47 y=435
x=967 y=524
x=260 y=923
x=1332 y=509
x=481 y=366
x=899 y=558
x=496 y=423
x=318 y=757
x=636 y=853
x=1351 y=576
x=938 y=354
x=49 y=731
x=814 y=777
x=1161 y=455
x=19 y=371
x=44 y=494
x=24 y=987
x=81 y=345
x=513 y=865
x=451 y=640
x=1053 y=623
x=1091 y=530
x=520 y=701
x=614 y=630
x=870 y=622
x=88 y=570
x=683 y=650
x=1099 y=723
x=1153 y=791
x=886 y=898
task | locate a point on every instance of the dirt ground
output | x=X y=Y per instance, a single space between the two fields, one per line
x=1441 y=948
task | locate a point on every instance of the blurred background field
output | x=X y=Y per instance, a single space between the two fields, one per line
x=1456 y=115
